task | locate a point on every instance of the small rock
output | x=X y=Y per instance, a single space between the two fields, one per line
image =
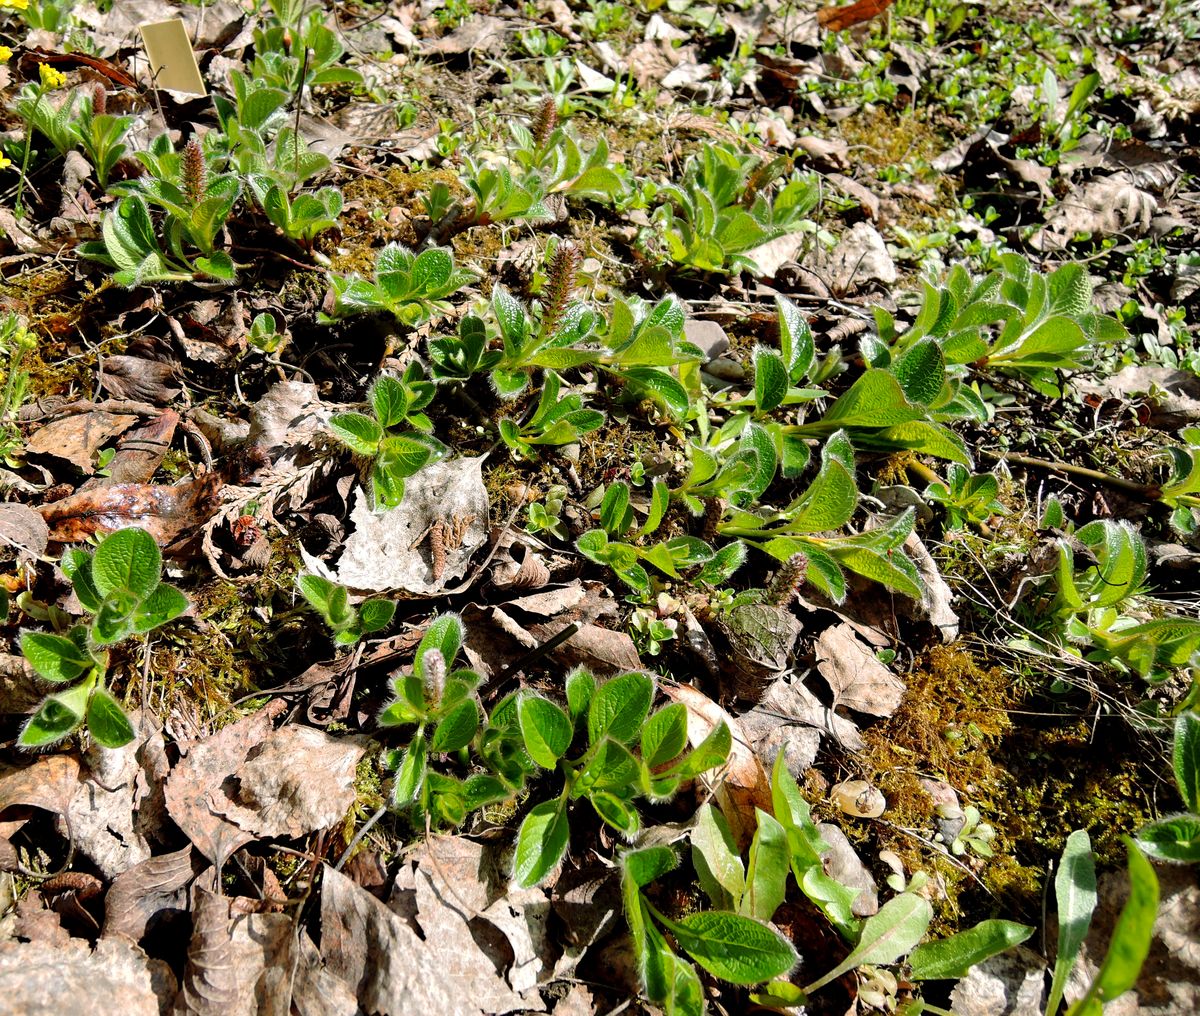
x=858 y=798
x=1010 y=984
x=707 y=336
x=843 y=863
x=724 y=369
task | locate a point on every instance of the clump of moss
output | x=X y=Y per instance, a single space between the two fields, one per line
x=950 y=726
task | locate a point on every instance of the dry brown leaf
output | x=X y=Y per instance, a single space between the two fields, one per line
x=48 y=784
x=193 y=788
x=742 y=785
x=457 y=880
x=139 y=452
x=210 y=981
x=838 y=19
x=297 y=781
x=789 y=701
x=24 y=529
x=168 y=513
x=754 y=643
x=1102 y=207
x=135 y=377
x=117 y=977
x=396 y=972
x=858 y=680
x=139 y=895
x=78 y=438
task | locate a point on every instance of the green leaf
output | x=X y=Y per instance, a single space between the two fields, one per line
x=770 y=380
x=411 y=775
x=766 y=874
x=665 y=735
x=708 y=754
x=218 y=265
x=106 y=720
x=445 y=634
x=1176 y=838
x=376 y=614
x=76 y=565
x=735 y=948
x=580 y=688
x=545 y=728
x=164 y=604
x=795 y=339
x=660 y=500
x=127 y=561
x=457 y=728
x=611 y=768
x=541 y=843
x=616 y=812
x=1185 y=758
x=876 y=399
x=1130 y=942
x=389 y=400
x=318 y=591
x=54 y=657
x=359 y=433
x=56 y=717
x=921 y=371
x=719 y=869
x=645 y=865
x=619 y=708
x=615 y=513
x=900 y=924
x=1075 y=893
x=953 y=957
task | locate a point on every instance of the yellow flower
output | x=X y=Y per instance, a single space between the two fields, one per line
x=16 y=5
x=5 y=162
x=50 y=77
x=5 y=54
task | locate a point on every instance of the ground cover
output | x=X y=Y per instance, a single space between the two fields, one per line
x=589 y=507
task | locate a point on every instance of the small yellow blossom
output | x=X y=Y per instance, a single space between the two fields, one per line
x=50 y=77
x=5 y=54
x=16 y=5
x=5 y=162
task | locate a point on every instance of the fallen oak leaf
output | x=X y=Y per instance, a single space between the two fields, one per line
x=168 y=513
x=855 y=675
x=194 y=784
x=838 y=19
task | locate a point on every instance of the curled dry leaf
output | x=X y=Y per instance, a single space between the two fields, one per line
x=858 y=680
x=842 y=862
x=297 y=781
x=1103 y=207
x=210 y=981
x=139 y=452
x=135 y=377
x=743 y=784
x=456 y=880
x=48 y=784
x=142 y=894
x=168 y=513
x=858 y=798
x=193 y=788
x=754 y=644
